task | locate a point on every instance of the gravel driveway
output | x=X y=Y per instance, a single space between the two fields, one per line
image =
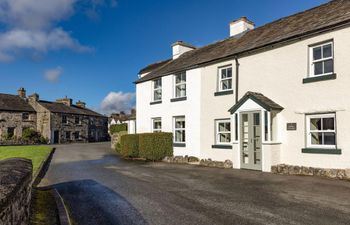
x=100 y=188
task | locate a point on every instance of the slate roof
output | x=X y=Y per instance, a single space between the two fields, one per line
x=154 y=66
x=260 y=99
x=14 y=103
x=326 y=16
x=56 y=107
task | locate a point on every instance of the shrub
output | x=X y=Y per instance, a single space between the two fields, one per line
x=118 y=128
x=31 y=136
x=155 y=146
x=130 y=145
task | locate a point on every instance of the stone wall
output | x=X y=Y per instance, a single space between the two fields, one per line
x=15 y=120
x=115 y=138
x=43 y=118
x=311 y=171
x=15 y=191
x=227 y=164
x=98 y=129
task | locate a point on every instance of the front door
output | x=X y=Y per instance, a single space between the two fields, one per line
x=56 y=137
x=250 y=140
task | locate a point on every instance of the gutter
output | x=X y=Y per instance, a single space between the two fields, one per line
x=237 y=79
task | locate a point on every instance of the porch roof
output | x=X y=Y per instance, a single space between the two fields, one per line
x=258 y=98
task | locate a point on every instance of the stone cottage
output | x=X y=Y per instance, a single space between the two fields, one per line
x=60 y=121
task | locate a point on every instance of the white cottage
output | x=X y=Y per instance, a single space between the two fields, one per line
x=276 y=94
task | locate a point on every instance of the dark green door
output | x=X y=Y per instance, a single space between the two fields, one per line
x=250 y=123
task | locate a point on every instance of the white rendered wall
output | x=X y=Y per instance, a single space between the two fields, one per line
x=189 y=108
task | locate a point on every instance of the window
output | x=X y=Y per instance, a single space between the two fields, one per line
x=77 y=120
x=156 y=125
x=64 y=119
x=179 y=129
x=157 y=90
x=180 y=85
x=10 y=132
x=68 y=135
x=321 y=131
x=321 y=58
x=25 y=116
x=225 y=78
x=223 y=131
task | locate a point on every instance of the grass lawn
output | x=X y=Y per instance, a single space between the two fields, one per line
x=36 y=153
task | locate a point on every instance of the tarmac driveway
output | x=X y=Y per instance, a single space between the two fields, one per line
x=100 y=188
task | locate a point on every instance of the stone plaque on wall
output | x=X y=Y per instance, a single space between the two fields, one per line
x=291 y=126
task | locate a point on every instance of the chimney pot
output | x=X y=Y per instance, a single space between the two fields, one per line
x=22 y=92
x=34 y=97
x=67 y=101
x=81 y=104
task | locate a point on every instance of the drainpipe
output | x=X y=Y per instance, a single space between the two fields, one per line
x=237 y=79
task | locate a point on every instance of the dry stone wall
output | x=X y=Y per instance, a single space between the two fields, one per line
x=15 y=191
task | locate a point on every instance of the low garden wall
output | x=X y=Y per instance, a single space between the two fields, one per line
x=15 y=191
x=227 y=164
x=341 y=174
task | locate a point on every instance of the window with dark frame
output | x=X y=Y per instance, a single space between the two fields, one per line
x=10 y=132
x=77 y=120
x=64 y=119
x=68 y=135
x=25 y=116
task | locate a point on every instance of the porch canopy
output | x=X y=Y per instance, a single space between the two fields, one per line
x=259 y=99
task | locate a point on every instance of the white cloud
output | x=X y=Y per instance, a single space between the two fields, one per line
x=31 y=25
x=52 y=75
x=116 y=102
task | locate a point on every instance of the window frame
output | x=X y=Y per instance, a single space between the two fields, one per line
x=220 y=79
x=156 y=130
x=179 y=129
x=79 y=120
x=64 y=121
x=309 y=131
x=68 y=135
x=25 y=116
x=154 y=89
x=183 y=73
x=217 y=132
x=312 y=61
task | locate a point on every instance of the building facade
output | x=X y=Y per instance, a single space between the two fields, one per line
x=59 y=122
x=276 y=94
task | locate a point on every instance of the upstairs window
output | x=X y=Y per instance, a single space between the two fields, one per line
x=225 y=78
x=321 y=131
x=321 y=58
x=180 y=85
x=157 y=125
x=157 y=90
x=77 y=120
x=25 y=116
x=64 y=119
x=223 y=131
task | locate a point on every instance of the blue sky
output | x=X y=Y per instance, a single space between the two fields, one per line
x=92 y=50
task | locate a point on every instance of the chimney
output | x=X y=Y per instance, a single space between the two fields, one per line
x=34 y=97
x=240 y=26
x=133 y=112
x=180 y=48
x=22 y=92
x=81 y=104
x=65 y=100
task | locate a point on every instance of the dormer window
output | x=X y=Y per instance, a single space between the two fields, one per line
x=321 y=59
x=157 y=90
x=225 y=78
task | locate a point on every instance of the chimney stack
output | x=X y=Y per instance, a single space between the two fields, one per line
x=34 y=97
x=240 y=26
x=81 y=104
x=65 y=100
x=22 y=92
x=180 y=48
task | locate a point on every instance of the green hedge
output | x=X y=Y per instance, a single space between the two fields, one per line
x=118 y=127
x=155 y=146
x=150 y=146
x=129 y=145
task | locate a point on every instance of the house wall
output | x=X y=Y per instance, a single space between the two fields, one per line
x=98 y=129
x=14 y=119
x=43 y=118
x=71 y=126
x=189 y=108
x=278 y=74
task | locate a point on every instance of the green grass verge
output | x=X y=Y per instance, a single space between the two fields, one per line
x=35 y=153
x=43 y=209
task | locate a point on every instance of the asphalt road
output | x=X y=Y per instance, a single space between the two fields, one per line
x=100 y=188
